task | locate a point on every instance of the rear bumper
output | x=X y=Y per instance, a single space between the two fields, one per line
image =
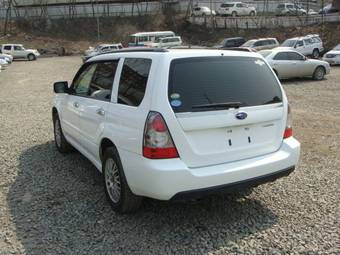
x=235 y=186
x=172 y=179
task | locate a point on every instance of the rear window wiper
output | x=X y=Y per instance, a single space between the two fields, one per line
x=220 y=105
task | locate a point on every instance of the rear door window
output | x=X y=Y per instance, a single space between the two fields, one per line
x=281 y=56
x=102 y=81
x=133 y=81
x=201 y=81
x=7 y=47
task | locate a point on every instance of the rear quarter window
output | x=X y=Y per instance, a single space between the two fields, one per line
x=133 y=81
x=214 y=80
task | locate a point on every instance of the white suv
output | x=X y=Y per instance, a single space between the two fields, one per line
x=172 y=124
x=236 y=9
x=309 y=45
x=18 y=51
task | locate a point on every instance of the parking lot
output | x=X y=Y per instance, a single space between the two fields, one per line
x=55 y=204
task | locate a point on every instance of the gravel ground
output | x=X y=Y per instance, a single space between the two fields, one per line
x=55 y=204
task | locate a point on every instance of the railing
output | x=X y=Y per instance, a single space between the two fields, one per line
x=264 y=21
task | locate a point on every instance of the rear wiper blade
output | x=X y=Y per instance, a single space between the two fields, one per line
x=220 y=105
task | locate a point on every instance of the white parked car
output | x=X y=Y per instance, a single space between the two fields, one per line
x=309 y=45
x=167 y=42
x=6 y=57
x=18 y=51
x=291 y=64
x=170 y=124
x=202 y=11
x=101 y=49
x=236 y=9
x=261 y=44
x=290 y=9
x=333 y=56
x=3 y=64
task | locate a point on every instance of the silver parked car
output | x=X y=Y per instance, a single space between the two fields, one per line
x=261 y=43
x=292 y=64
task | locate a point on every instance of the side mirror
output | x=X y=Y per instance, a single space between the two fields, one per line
x=61 y=87
x=295 y=46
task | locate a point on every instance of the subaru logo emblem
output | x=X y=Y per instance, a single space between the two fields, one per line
x=241 y=115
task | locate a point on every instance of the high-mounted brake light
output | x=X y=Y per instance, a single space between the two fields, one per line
x=289 y=130
x=158 y=143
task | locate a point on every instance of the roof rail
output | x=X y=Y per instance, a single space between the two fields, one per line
x=140 y=49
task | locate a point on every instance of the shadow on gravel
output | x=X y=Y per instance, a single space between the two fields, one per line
x=58 y=206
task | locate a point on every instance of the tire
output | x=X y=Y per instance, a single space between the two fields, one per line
x=59 y=139
x=316 y=54
x=319 y=73
x=31 y=57
x=252 y=14
x=116 y=187
x=234 y=14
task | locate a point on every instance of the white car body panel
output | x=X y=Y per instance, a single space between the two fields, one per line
x=332 y=57
x=199 y=137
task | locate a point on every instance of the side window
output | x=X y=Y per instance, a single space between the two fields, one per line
x=295 y=56
x=230 y=43
x=299 y=44
x=102 y=81
x=259 y=43
x=281 y=56
x=239 y=5
x=7 y=47
x=82 y=82
x=17 y=48
x=308 y=41
x=133 y=80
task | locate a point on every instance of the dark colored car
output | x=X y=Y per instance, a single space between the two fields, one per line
x=231 y=43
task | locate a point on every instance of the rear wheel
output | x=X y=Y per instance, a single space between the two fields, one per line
x=316 y=53
x=116 y=187
x=319 y=73
x=252 y=14
x=31 y=57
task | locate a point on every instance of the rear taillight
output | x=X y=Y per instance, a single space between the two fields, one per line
x=158 y=143
x=289 y=129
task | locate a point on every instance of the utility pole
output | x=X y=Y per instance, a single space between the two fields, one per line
x=8 y=16
x=98 y=25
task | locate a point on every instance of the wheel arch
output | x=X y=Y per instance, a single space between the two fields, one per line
x=54 y=112
x=104 y=144
x=324 y=68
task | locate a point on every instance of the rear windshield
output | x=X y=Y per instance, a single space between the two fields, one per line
x=194 y=82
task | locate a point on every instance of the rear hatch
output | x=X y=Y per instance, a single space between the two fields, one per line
x=227 y=109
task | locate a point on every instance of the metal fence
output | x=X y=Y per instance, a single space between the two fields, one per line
x=264 y=21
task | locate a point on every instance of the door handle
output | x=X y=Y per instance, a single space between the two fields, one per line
x=76 y=104
x=101 y=112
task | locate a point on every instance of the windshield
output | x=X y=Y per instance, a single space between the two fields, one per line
x=289 y=43
x=213 y=82
x=248 y=43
